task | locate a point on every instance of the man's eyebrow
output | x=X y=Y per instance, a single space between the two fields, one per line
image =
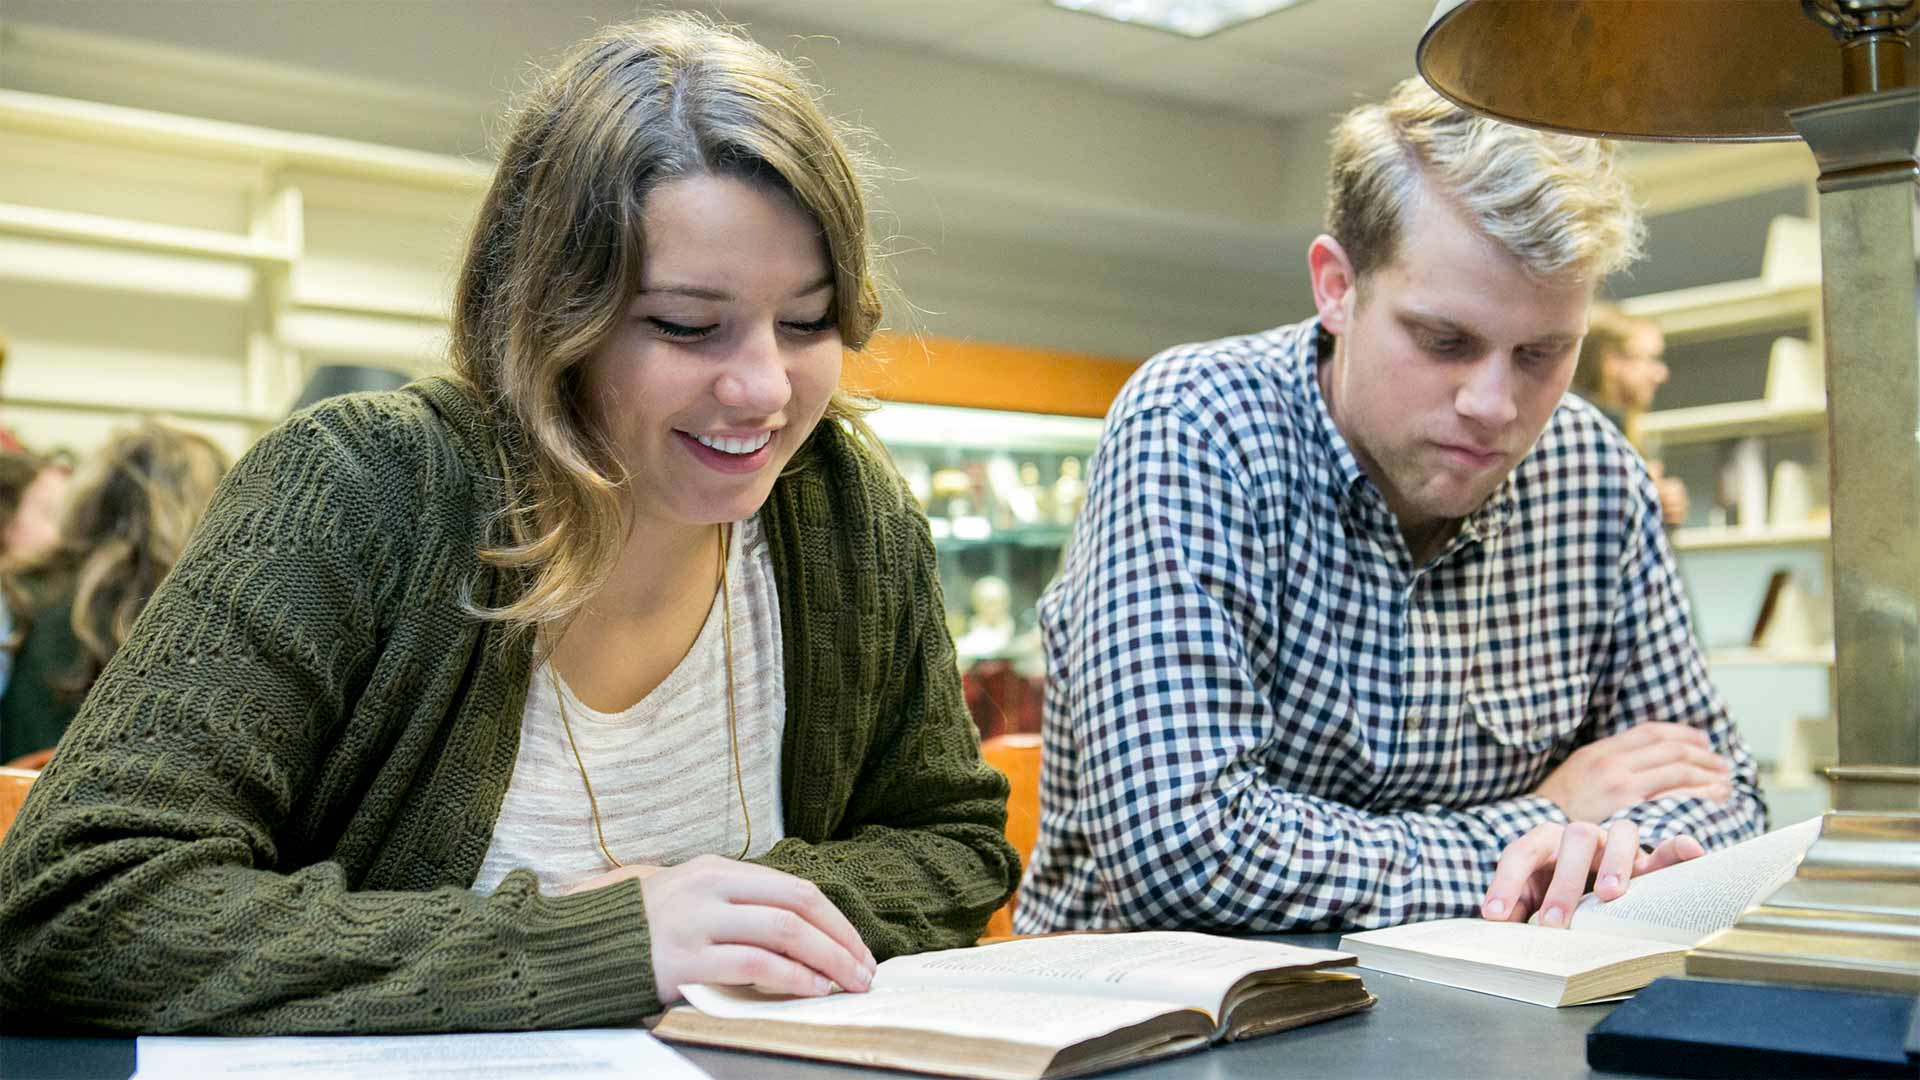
x=1437 y=323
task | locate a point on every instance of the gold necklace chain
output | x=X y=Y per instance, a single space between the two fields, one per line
x=733 y=728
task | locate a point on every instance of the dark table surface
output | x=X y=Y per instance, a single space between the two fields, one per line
x=1418 y=1030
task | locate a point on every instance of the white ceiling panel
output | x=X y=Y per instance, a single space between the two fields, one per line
x=925 y=23
x=1058 y=42
x=1191 y=71
x=1333 y=32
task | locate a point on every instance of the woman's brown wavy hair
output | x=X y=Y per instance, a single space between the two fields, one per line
x=131 y=510
x=555 y=260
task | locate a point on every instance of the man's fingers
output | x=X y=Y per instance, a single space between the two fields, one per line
x=1675 y=849
x=1617 y=861
x=1656 y=782
x=789 y=934
x=1654 y=732
x=1677 y=751
x=1719 y=793
x=1517 y=866
x=1578 y=847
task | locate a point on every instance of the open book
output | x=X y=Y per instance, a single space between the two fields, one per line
x=1038 y=1007
x=1609 y=948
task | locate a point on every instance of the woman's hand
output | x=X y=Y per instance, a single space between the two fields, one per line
x=716 y=920
x=631 y=870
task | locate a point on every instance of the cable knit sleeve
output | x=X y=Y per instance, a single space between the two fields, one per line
x=196 y=856
x=890 y=809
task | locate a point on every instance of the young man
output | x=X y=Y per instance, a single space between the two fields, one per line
x=1367 y=622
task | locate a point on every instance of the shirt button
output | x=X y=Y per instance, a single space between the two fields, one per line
x=1413 y=721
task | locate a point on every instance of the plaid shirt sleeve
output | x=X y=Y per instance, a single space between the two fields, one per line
x=1663 y=677
x=1163 y=745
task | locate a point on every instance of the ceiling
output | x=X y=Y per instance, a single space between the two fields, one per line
x=1050 y=178
x=1315 y=58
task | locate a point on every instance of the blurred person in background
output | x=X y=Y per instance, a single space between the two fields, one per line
x=75 y=600
x=32 y=489
x=9 y=442
x=1622 y=366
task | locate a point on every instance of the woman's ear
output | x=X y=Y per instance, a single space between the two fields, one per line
x=1333 y=280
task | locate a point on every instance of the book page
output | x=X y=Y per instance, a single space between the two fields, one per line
x=564 y=1055
x=1682 y=904
x=1540 y=949
x=1182 y=968
x=1050 y=1020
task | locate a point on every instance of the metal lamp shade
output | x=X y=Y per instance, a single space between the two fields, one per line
x=1693 y=70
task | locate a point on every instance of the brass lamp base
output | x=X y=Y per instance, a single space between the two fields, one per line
x=1849 y=918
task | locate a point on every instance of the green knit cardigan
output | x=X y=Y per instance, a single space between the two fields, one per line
x=268 y=816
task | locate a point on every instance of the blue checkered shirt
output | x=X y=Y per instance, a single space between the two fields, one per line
x=1262 y=715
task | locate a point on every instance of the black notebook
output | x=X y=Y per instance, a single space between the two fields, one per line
x=1721 y=1027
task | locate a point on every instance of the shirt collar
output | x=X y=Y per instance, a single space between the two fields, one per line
x=1347 y=481
x=1349 y=485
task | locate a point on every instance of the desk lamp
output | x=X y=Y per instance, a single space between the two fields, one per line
x=1844 y=76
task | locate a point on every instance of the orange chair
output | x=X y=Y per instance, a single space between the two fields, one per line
x=1019 y=757
x=13 y=792
x=36 y=760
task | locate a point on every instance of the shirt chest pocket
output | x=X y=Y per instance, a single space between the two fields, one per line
x=1532 y=717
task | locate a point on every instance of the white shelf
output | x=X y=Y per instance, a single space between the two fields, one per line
x=1728 y=539
x=1735 y=419
x=1751 y=306
x=1821 y=656
x=218 y=140
x=257 y=417
x=123 y=233
x=102 y=268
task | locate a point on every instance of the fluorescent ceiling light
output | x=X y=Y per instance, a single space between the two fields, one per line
x=1189 y=18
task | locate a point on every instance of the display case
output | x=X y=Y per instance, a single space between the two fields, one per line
x=1001 y=491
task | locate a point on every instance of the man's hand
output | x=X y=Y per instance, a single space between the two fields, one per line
x=1647 y=761
x=1673 y=494
x=715 y=920
x=1550 y=868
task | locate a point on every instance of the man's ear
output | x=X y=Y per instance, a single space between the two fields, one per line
x=1335 y=290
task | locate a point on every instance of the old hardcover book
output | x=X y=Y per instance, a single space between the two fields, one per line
x=1611 y=947
x=1038 y=1007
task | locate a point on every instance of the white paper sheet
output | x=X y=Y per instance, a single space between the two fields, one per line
x=574 y=1055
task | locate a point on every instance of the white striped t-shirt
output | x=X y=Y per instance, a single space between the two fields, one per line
x=662 y=769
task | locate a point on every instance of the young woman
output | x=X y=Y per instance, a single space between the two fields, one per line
x=523 y=698
x=75 y=601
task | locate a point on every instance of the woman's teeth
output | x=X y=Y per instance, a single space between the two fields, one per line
x=734 y=446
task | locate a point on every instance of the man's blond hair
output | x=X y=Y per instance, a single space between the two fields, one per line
x=1554 y=202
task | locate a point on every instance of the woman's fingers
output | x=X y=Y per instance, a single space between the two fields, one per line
x=710 y=916
x=789 y=934
x=1617 y=860
x=751 y=883
x=762 y=969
